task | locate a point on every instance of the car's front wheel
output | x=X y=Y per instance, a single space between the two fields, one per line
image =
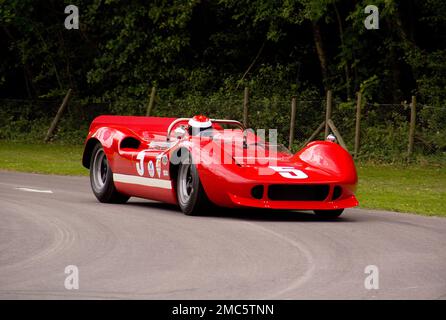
x=101 y=178
x=328 y=214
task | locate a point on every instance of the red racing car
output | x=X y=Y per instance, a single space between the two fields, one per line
x=198 y=162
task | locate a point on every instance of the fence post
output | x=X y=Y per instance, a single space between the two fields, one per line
x=328 y=112
x=412 y=125
x=151 y=102
x=293 y=120
x=358 y=123
x=58 y=115
x=245 y=107
x=337 y=134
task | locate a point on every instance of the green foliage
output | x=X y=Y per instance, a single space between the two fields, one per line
x=200 y=55
x=368 y=87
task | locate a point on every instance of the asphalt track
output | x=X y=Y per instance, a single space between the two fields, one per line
x=148 y=250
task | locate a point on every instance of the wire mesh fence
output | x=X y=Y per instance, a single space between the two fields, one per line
x=384 y=128
x=29 y=120
x=263 y=113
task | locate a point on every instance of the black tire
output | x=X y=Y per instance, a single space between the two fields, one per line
x=190 y=193
x=328 y=214
x=101 y=178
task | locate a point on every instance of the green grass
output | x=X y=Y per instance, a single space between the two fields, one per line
x=42 y=158
x=413 y=188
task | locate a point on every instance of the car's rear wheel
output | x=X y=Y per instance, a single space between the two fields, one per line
x=328 y=214
x=101 y=178
x=190 y=193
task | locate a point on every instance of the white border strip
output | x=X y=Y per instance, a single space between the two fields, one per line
x=142 y=181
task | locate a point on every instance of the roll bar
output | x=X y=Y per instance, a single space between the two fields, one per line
x=222 y=121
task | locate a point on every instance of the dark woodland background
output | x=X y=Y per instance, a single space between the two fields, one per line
x=201 y=54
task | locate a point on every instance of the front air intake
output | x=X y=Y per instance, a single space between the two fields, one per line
x=337 y=192
x=284 y=192
x=257 y=192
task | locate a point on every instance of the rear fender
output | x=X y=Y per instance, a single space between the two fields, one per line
x=109 y=138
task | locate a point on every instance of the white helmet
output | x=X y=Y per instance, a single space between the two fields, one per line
x=198 y=124
x=200 y=121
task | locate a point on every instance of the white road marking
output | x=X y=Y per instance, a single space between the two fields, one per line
x=34 y=190
x=143 y=181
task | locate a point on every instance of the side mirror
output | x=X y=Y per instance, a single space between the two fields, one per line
x=331 y=138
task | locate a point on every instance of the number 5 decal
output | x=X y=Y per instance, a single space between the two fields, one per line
x=140 y=165
x=290 y=172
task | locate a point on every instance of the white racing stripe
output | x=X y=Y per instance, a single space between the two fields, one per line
x=143 y=181
x=34 y=190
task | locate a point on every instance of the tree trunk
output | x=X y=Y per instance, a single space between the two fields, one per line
x=396 y=77
x=320 y=52
x=26 y=69
x=405 y=44
x=341 y=36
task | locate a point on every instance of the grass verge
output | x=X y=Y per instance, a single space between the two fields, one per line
x=42 y=158
x=414 y=188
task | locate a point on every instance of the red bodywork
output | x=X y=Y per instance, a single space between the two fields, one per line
x=321 y=176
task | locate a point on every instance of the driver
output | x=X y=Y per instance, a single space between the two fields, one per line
x=199 y=124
